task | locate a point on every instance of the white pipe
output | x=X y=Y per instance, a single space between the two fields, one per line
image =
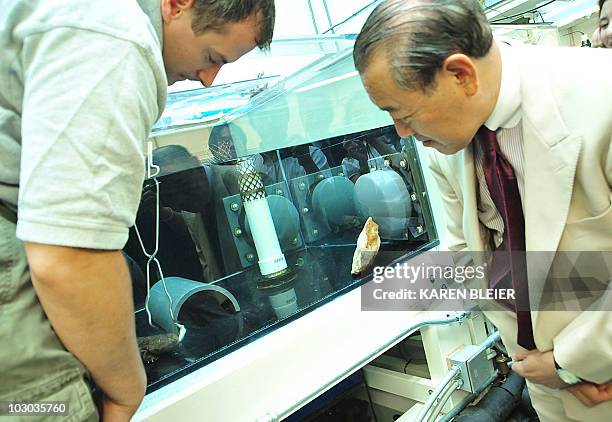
x=271 y=258
x=284 y=304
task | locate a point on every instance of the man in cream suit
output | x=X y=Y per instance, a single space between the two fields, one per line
x=434 y=66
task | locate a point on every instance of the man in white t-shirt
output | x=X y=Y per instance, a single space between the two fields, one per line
x=81 y=84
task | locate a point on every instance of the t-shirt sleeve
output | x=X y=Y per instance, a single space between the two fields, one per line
x=90 y=100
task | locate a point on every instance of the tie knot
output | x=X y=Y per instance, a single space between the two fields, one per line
x=487 y=139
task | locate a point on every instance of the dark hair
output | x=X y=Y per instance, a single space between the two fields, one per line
x=601 y=3
x=418 y=35
x=213 y=14
x=173 y=159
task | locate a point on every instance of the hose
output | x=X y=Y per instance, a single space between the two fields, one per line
x=441 y=388
x=435 y=412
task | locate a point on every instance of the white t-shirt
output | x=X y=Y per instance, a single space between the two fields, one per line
x=81 y=84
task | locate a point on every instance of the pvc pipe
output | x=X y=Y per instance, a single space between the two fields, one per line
x=284 y=303
x=271 y=258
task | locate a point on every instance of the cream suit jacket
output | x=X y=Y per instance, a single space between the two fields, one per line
x=566 y=108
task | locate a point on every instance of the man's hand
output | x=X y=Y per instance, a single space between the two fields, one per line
x=537 y=367
x=591 y=394
x=87 y=296
x=148 y=204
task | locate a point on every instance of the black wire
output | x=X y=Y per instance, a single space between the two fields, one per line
x=524 y=12
x=331 y=28
x=541 y=17
x=573 y=32
x=369 y=397
x=496 y=10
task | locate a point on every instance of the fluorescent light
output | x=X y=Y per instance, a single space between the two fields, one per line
x=327 y=81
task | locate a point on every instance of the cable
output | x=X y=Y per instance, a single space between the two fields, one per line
x=440 y=389
x=467 y=400
x=443 y=399
x=524 y=12
x=369 y=397
x=331 y=28
x=573 y=32
x=498 y=11
x=541 y=17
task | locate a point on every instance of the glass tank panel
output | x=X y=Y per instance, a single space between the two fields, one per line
x=215 y=260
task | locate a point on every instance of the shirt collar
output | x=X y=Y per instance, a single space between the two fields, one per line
x=152 y=8
x=507 y=111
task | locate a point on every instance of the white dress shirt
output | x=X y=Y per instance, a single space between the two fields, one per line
x=506 y=122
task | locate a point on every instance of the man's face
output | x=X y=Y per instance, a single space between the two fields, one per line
x=605 y=30
x=200 y=57
x=444 y=118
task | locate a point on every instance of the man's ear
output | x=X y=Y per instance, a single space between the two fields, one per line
x=172 y=9
x=463 y=70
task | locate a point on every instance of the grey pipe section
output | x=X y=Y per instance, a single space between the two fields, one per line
x=440 y=388
x=437 y=409
x=489 y=341
x=456 y=317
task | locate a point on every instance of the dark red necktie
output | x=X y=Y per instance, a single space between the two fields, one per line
x=509 y=264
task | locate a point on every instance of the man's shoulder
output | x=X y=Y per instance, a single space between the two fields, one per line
x=116 y=18
x=570 y=78
x=564 y=60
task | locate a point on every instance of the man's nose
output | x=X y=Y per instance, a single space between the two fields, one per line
x=207 y=76
x=403 y=130
x=606 y=37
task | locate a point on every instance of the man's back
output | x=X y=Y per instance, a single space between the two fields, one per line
x=81 y=83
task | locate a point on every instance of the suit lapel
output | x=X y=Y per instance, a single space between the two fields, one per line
x=551 y=155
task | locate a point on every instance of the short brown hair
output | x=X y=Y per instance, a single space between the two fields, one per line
x=213 y=14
